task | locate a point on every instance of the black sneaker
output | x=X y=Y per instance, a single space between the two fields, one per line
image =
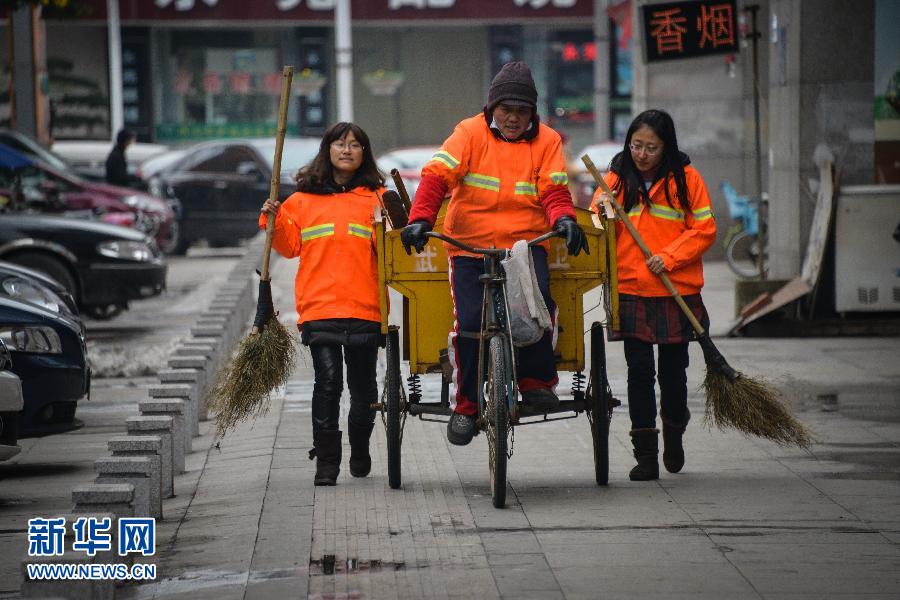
x=461 y=429
x=540 y=400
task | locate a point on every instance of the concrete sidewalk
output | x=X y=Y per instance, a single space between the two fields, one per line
x=745 y=519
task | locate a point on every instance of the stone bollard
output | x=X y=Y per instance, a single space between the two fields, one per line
x=191 y=403
x=189 y=377
x=147 y=446
x=203 y=341
x=230 y=326
x=175 y=408
x=195 y=350
x=115 y=498
x=136 y=470
x=208 y=369
x=160 y=426
x=209 y=331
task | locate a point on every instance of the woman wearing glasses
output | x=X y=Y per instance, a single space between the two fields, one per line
x=667 y=201
x=328 y=224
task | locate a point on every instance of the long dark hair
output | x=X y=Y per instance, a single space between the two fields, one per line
x=318 y=175
x=671 y=165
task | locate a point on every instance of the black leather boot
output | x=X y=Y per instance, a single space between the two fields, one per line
x=673 y=451
x=646 y=450
x=360 y=460
x=328 y=456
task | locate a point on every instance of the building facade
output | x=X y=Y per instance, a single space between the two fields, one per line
x=202 y=69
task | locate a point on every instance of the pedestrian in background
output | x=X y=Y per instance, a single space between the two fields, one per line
x=328 y=224
x=117 y=164
x=507 y=178
x=666 y=200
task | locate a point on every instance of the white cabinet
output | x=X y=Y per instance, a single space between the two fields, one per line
x=867 y=257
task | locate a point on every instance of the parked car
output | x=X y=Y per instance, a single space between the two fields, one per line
x=149 y=168
x=601 y=154
x=11 y=403
x=38 y=288
x=30 y=147
x=49 y=356
x=88 y=157
x=103 y=266
x=409 y=162
x=220 y=186
x=51 y=178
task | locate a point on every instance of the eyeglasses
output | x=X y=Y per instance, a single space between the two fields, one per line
x=651 y=151
x=341 y=146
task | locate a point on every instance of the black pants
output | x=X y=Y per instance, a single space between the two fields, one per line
x=535 y=363
x=673 y=364
x=326 y=398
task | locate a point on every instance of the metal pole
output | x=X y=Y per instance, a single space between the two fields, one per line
x=754 y=35
x=116 y=119
x=602 y=41
x=343 y=54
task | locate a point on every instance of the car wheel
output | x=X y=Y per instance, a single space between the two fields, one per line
x=50 y=265
x=173 y=244
x=102 y=312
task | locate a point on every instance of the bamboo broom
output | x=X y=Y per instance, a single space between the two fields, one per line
x=733 y=400
x=265 y=358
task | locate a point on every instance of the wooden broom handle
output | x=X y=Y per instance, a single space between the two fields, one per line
x=640 y=242
x=287 y=74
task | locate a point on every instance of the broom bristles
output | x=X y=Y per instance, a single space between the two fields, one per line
x=263 y=362
x=752 y=407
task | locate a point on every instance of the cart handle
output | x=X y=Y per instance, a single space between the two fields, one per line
x=488 y=251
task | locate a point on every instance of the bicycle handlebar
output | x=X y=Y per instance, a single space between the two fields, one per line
x=488 y=251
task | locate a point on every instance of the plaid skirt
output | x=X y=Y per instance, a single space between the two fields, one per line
x=658 y=320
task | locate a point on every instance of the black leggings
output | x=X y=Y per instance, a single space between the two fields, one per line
x=673 y=364
x=329 y=370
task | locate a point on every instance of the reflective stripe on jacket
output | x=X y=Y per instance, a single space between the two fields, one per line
x=333 y=236
x=679 y=237
x=498 y=187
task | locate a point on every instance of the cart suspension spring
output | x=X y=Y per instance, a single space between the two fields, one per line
x=415 y=388
x=577 y=384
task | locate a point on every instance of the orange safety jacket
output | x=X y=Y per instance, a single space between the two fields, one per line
x=680 y=238
x=333 y=234
x=501 y=192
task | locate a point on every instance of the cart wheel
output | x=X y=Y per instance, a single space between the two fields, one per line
x=392 y=400
x=599 y=403
x=497 y=418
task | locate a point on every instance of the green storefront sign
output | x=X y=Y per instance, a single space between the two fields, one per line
x=171 y=132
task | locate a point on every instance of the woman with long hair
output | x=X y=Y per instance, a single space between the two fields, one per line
x=328 y=224
x=666 y=200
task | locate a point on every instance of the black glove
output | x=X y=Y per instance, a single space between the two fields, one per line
x=413 y=235
x=576 y=241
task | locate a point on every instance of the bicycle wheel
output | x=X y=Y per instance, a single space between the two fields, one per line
x=392 y=408
x=742 y=253
x=497 y=418
x=598 y=402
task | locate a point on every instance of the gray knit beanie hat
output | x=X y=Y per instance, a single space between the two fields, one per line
x=513 y=85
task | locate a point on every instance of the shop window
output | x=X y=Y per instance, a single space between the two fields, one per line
x=220 y=92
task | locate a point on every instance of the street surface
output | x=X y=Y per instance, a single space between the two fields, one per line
x=744 y=520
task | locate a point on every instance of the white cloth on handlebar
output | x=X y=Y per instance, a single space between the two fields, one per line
x=528 y=314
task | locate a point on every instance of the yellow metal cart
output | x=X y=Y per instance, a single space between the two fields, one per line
x=423 y=281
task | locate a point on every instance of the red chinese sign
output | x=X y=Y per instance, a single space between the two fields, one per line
x=322 y=11
x=689 y=29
